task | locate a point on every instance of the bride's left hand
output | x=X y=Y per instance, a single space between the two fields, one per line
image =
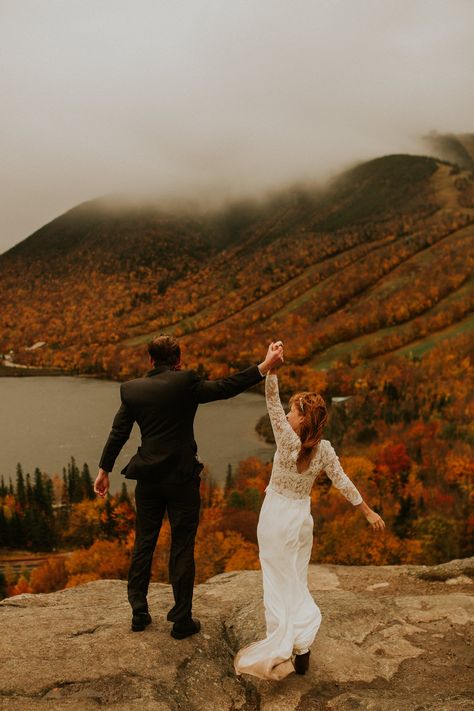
x=375 y=520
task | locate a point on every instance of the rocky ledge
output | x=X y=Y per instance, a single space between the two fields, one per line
x=392 y=638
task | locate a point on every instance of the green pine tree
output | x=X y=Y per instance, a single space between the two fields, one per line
x=74 y=482
x=108 y=525
x=87 y=484
x=4 y=537
x=20 y=486
x=124 y=497
x=64 y=510
x=29 y=491
x=229 y=481
x=65 y=490
x=39 y=491
x=49 y=495
x=236 y=501
x=17 y=530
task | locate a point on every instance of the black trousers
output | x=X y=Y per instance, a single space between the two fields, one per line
x=182 y=502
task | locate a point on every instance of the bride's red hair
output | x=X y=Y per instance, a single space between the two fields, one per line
x=314 y=411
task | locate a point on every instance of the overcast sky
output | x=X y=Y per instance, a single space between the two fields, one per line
x=213 y=99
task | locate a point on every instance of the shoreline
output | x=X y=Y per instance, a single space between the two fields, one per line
x=30 y=370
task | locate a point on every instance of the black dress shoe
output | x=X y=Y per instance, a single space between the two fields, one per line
x=140 y=620
x=181 y=631
x=302 y=662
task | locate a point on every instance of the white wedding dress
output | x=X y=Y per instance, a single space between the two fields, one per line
x=285 y=539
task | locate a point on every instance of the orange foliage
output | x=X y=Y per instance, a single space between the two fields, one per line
x=21 y=586
x=460 y=472
x=105 y=559
x=50 y=576
x=347 y=540
x=253 y=473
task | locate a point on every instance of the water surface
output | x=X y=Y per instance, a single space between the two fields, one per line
x=46 y=420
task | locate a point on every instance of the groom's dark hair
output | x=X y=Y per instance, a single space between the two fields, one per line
x=164 y=350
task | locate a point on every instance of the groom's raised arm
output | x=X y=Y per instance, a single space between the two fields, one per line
x=223 y=388
x=231 y=385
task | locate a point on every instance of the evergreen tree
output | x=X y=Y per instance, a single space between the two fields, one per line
x=124 y=497
x=29 y=491
x=211 y=487
x=49 y=495
x=405 y=517
x=65 y=490
x=229 y=481
x=45 y=539
x=108 y=524
x=31 y=528
x=17 y=530
x=87 y=484
x=20 y=486
x=39 y=493
x=74 y=482
x=236 y=501
x=253 y=499
x=63 y=515
x=3 y=487
x=4 y=537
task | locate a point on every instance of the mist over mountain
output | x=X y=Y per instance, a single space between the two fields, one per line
x=458 y=149
x=195 y=101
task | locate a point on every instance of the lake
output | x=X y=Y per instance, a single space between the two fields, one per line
x=45 y=420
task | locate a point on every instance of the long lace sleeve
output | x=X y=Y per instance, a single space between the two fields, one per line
x=332 y=467
x=280 y=425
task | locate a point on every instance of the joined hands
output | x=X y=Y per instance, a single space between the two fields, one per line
x=273 y=359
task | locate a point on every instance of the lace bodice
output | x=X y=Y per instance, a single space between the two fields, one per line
x=285 y=477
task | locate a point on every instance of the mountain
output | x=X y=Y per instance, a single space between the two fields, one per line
x=377 y=262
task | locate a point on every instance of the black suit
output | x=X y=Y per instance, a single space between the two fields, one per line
x=166 y=468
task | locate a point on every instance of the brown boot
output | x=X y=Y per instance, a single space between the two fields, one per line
x=302 y=662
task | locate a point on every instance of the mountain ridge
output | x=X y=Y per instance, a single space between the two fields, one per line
x=98 y=281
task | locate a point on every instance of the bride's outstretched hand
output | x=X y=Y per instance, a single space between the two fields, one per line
x=375 y=520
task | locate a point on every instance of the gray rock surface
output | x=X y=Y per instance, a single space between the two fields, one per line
x=391 y=639
x=444 y=571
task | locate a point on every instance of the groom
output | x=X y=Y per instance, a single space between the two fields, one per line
x=167 y=469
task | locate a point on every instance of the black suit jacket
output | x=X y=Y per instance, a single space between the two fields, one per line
x=164 y=404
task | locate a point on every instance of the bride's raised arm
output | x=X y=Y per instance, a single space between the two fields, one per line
x=280 y=425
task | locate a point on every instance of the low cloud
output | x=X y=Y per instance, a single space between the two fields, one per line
x=210 y=100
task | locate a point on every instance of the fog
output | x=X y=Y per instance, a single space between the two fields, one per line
x=212 y=100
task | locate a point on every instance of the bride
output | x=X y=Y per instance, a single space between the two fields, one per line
x=285 y=532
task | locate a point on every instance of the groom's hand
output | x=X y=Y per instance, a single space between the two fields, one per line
x=273 y=358
x=102 y=483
